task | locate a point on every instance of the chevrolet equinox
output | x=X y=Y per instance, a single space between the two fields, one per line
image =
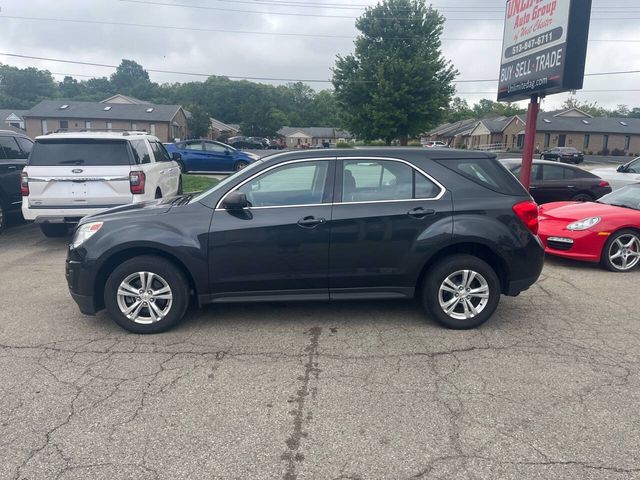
x=453 y=228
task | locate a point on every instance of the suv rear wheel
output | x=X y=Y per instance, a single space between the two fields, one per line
x=54 y=230
x=146 y=294
x=461 y=292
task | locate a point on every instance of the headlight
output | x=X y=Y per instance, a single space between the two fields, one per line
x=584 y=224
x=85 y=232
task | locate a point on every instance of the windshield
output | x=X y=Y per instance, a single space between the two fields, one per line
x=226 y=181
x=628 y=197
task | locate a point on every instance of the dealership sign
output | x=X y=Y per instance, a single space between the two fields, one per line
x=544 y=47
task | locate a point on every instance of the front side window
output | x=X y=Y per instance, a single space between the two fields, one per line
x=214 y=147
x=140 y=152
x=380 y=180
x=634 y=167
x=293 y=184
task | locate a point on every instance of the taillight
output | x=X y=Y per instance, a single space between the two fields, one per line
x=24 y=184
x=527 y=212
x=604 y=183
x=137 y=181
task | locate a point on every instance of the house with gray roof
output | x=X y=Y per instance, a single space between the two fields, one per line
x=12 y=119
x=561 y=128
x=299 y=137
x=167 y=122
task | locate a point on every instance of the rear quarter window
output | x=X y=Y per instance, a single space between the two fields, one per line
x=486 y=172
x=85 y=152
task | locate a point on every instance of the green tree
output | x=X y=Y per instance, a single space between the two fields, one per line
x=24 y=87
x=592 y=108
x=459 y=110
x=488 y=108
x=70 y=88
x=129 y=76
x=397 y=83
x=198 y=122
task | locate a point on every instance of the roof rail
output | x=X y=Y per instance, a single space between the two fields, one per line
x=123 y=131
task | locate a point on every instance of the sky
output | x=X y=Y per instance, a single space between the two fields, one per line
x=184 y=39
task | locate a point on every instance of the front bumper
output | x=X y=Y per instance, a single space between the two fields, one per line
x=80 y=286
x=587 y=244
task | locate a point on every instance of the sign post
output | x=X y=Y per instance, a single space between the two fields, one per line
x=543 y=52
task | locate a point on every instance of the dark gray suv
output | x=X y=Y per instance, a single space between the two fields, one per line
x=453 y=228
x=14 y=151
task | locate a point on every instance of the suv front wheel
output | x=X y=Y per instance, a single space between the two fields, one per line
x=461 y=292
x=146 y=294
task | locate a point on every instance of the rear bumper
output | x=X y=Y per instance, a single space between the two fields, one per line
x=60 y=214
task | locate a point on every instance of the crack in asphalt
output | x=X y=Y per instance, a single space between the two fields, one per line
x=293 y=455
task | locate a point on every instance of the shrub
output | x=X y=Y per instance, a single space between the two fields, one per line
x=604 y=151
x=590 y=152
x=343 y=145
x=377 y=143
x=463 y=146
x=414 y=143
x=616 y=152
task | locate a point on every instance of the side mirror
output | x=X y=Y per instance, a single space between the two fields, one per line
x=175 y=156
x=621 y=168
x=227 y=151
x=235 y=201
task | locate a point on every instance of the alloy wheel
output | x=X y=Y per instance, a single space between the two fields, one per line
x=144 y=297
x=624 y=252
x=463 y=294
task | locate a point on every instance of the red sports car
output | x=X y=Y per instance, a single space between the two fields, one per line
x=606 y=231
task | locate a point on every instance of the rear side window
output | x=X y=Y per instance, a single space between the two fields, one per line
x=140 y=152
x=26 y=145
x=159 y=152
x=486 y=172
x=86 y=152
x=10 y=148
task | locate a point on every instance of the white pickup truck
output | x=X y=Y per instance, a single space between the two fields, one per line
x=72 y=175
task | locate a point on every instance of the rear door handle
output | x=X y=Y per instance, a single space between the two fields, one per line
x=11 y=167
x=420 y=212
x=310 y=222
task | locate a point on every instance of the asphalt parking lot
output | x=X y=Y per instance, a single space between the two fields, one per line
x=548 y=389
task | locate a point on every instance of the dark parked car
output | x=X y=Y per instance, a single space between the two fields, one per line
x=563 y=154
x=14 y=151
x=453 y=228
x=245 y=143
x=551 y=182
x=209 y=156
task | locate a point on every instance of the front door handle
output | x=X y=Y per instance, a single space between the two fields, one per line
x=11 y=167
x=311 y=222
x=420 y=212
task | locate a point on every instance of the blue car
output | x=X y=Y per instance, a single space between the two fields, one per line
x=209 y=156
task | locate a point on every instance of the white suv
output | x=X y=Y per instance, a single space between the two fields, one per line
x=72 y=175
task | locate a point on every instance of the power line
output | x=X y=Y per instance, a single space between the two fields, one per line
x=255 y=32
x=104 y=65
x=295 y=14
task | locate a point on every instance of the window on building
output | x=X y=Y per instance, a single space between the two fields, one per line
x=605 y=142
x=585 y=143
x=109 y=125
x=45 y=127
x=547 y=140
x=627 y=142
x=87 y=125
x=64 y=124
x=152 y=129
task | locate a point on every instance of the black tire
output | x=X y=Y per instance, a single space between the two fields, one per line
x=180 y=191
x=446 y=267
x=158 y=194
x=167 y=271
x=542 y=157
x=605 y=259
x=54 y=230
x=582 y=197
x=183 y=169
x=240 y=164
x=3 y=216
